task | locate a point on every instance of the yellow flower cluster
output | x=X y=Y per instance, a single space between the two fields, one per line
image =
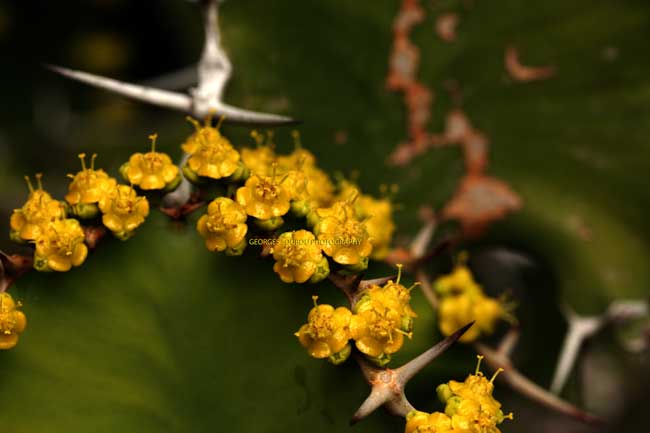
x=377 y=324
x=463 y=301
x=60 y=241
x=12 y=321
x=469 y=408
x=280 y=186
x=152 y=170
x=211 y=154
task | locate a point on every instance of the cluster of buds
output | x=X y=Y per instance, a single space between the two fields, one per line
x=377 y=323
x=261 y=192
x=463 y=301
x=469 y=408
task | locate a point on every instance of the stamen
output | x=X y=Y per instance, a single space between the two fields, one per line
x=314 y=298
x=71 y=176
x=510 y=416
x=153 y=138
x=92 y=161
x=29 y=184
x=82 y=157
x=259 y=139
x=297 y=143
x=478 y=364
x=39 y=180
x=417 y=283
x=496 y=373
x=399 y=272
x=220 y=122
x=194 y=122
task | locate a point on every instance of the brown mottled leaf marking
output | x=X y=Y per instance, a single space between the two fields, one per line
x=446 y=26
x=479 y=201
x=522 y=73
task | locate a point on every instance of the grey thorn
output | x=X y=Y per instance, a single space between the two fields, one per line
x=162 y=98
x=388 y=386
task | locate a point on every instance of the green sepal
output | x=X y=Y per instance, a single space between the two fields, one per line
x=341 y=356
x=269 y=224
x=322 y=271
x=238 y=249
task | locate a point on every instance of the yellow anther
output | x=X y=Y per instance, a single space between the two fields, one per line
x=92 y=161
x=399 y=272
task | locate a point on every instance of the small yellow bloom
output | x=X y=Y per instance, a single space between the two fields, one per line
x=395 y=296
x=470 y=404
x=264 y=197
x=378 y=217
x=123 y=211
x=212 y=154
x=152 y=170
x=60 y=246
x=318 y=189
x=12 y=322
x=422 y=422
x=89 y=186
x=40 y=209
x=463 y=301
x=327 y=332
x=260 y=159
x=376 y=331
x=224 y=226
x=342 y=236
x=298 y=258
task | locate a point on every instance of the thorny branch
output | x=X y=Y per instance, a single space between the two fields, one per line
x=388 y=385
x=214 y=70
x=517 y=381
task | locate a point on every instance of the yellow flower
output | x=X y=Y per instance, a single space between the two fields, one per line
x=263 y=197
x=12 y=322
x=470 y=404
x=260 y=159
x=40 y=209
x=342 y=236
x=60 y=246
x=212 y=155
x=377 y=331
x=459 y=280
x=202 y=134
x=378 y=217
x=123 y=211
x=318 y=189
x=224 y=226
x=152 y=170
x=89 y=186
x=395 y=296
x=422 y=422
x=327 y=332
x=298 y=258
x=463 y=301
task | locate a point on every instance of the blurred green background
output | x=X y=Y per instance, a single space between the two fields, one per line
x=159 y=335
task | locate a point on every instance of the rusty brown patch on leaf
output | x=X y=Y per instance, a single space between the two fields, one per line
x=479 y=201
x=446 y=26
x=522 y=73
